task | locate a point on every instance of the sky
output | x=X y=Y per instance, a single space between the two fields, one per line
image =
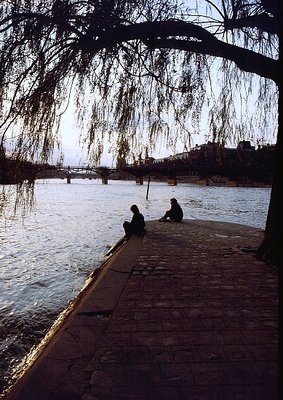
x=70 y=133
x=74 y=154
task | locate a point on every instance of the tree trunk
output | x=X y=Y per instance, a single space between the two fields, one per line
x=271 y=249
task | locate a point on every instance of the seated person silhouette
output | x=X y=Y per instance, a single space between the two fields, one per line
x=174 y=214
x=137 y=224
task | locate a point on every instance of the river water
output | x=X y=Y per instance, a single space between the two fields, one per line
x=47 y=254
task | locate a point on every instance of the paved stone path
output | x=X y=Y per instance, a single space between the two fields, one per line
x=186 y=314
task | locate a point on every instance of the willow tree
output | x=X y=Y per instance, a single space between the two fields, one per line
x=139 y=73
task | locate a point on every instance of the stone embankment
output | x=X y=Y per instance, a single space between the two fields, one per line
x=185 y=313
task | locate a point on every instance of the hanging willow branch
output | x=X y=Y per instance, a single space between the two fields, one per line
x=138 y=70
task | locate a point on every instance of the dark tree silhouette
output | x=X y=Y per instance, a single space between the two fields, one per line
x=145 y=69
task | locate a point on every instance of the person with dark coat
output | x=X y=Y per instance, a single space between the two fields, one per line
x=137 y=224
x=175 y=213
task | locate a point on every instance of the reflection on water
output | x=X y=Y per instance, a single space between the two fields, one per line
x=16 y=200
x=46 y=256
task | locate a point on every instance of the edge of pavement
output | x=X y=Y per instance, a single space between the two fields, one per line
x=97 y=296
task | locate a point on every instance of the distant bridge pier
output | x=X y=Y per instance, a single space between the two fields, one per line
x=139 y=180
x=104 y=173
x=172 y=180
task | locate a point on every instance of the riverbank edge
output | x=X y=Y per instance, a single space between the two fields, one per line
x=35 y=357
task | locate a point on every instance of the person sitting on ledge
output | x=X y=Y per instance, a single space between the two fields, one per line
x=137 y=224
x=175 y=213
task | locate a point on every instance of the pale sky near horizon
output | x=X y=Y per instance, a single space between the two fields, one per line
x=74 y=155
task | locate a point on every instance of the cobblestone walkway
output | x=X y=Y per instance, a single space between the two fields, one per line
x=193 y=317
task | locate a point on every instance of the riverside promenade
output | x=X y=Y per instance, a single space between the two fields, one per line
x=186 y=313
